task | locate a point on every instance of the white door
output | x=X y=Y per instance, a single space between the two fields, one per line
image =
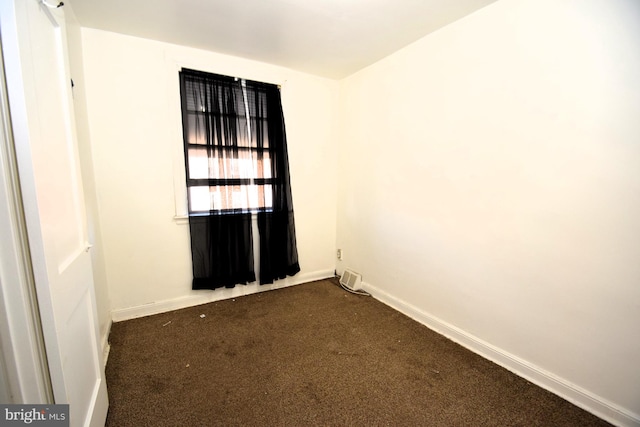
x=34 y=46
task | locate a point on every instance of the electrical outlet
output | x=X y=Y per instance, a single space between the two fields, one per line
x=339 y=254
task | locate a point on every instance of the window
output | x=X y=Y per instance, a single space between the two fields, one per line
x=227 y=153
x=236 y=165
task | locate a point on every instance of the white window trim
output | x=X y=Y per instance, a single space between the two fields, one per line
x=177 y=146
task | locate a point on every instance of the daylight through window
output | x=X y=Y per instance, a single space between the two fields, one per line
x=228 y=163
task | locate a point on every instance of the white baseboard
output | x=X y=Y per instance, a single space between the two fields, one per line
x=106 y=347
x=578 y=396
x=204 y=297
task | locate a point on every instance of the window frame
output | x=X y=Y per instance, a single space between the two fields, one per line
x=219 y=182
x=175 y=61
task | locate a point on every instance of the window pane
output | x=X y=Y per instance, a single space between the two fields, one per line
x=226 y=137
x=201 y=129
x=199 y=198
x=230 y=164
x=260 y=133
x=196 y=129
x=198 y=163
x=236 y=197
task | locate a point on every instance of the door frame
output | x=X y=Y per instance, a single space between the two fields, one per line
x=25 y=367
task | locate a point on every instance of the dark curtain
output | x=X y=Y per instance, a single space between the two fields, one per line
x=215 y=112
x=214 y=121
x=278 y=250
x=221 y=250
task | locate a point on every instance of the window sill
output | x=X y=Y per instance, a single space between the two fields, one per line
x=184 y=219
x=181 y=219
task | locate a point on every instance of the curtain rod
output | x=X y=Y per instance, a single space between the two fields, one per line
x=279 y=85
x=235 y=78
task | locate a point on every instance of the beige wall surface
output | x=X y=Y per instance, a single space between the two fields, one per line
x=133 y=102
x=490 y=178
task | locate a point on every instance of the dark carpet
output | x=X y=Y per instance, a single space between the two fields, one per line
x=312 y=354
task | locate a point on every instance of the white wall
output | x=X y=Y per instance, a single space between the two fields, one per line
x=74 y=44
x=490 y=185
x=134 y=120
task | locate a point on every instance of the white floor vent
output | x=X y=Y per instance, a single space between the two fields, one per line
x=351 y=280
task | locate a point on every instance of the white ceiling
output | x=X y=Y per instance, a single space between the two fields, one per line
x=330 y=38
